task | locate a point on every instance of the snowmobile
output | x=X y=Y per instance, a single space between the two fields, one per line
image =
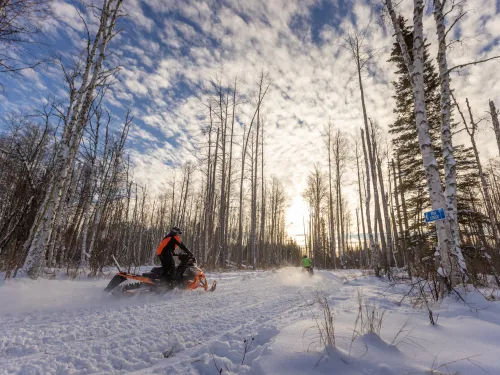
x=156 y=283
x=309 y=270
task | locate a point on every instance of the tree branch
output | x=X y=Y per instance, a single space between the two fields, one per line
x=471 y=63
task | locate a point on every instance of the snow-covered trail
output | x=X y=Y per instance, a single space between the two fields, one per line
x=60 y=331
x=67 y=327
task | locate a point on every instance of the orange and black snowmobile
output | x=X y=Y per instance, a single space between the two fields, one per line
x=155 y=281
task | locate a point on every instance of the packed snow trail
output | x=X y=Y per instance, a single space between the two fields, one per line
x=133 y=334
x=69 y=327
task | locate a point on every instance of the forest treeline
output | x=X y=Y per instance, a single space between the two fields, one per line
x=68 y=198
x=414 y=169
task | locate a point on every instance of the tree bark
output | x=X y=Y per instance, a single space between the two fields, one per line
x=373 y=246
x=496 y=124
x=447 y=145
x=449 y=269
x=365 y=247
x=330 y=199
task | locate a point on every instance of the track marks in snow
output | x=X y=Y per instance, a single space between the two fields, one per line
x=120 y=338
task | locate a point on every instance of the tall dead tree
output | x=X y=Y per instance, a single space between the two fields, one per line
x=375 y=259
x=387 y=238
x=262 y=91
x=396 y=245
x=223 y=103
x=263 y=196
x=471 y=130
x=377 y=183
x=365 y=247
x=208 y=192
x=255 y=163
x=355 y=45
x=331 y=221
x=340 y=153
x=230 y=170
x=496 y=123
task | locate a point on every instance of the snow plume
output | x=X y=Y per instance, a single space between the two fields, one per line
x=295 y=277
x=23 y=295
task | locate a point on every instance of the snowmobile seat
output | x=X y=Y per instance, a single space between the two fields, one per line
x=155 y=273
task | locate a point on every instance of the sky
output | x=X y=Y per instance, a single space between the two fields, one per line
x=170 y=49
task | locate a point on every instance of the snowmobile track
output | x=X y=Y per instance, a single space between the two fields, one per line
x=114 y=338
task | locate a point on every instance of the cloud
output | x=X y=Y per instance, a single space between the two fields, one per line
x=170 y=49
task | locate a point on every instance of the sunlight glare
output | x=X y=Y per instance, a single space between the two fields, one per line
x=297 y=214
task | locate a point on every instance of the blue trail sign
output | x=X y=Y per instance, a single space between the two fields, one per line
x=434 y=215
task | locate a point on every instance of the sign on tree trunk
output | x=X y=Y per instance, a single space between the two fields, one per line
x=434 y=215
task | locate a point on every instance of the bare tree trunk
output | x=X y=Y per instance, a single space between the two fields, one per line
x=240 y=215
x=396 y=246
x=496 y=124
x=230 y=167
x=212 y=197
x=207 y=212
x=378 y=210
x=363 y=247
x=331 y=223
x=223 y=108
x=263 y=197
x=471 y=130
x=260 y=98
x=385 y=205
x=374 y=247
x=403 y=202
x=253 y=230
x=399 y=189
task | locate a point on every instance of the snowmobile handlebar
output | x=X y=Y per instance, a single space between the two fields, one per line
x=186 y=258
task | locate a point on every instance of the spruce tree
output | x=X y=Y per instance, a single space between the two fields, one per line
x=406 y=146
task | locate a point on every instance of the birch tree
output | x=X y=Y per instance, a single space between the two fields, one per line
x=452 y=266
x=76 y=119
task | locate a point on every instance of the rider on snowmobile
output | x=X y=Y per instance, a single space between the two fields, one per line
x=306 y=262
x=165 y=252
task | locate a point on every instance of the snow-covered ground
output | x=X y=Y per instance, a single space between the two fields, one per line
x=69 y=327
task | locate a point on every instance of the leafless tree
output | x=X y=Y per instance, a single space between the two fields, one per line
x=21 y=23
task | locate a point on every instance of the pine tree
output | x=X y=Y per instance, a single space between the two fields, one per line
x=406 y=145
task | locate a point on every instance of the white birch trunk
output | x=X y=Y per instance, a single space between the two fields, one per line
x=416 y=70
x=37 y=243
x=86 y=216
x=446 y=140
